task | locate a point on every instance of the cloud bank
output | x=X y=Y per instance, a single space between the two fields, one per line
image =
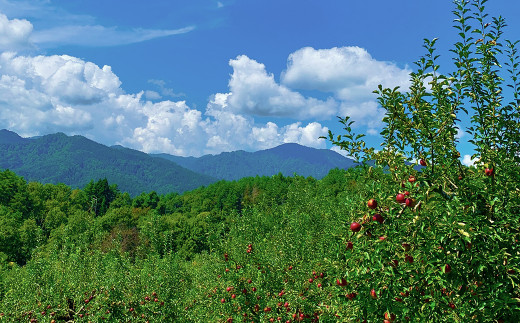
x=46 y=94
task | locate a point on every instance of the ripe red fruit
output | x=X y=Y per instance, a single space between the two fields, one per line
x=390 y=316
x=489 y=171
x=406 y=193
x=131 y=309
x=341 y=282
x=411 y=179
x=398 y=299
x=229 y=289
x=452 y=306
x=447 y=269
x=372 y=204
x=350 y=245
x=267 y=309
x=399 y=198
x=377 y=217
x=310 y=280
x=422 y=162
x=409 y=202
x=290 y=267
x=233 y=296
x=223 y=300
x=355 y=227
x=319 y=285
x=373 y=293
x=254 y=289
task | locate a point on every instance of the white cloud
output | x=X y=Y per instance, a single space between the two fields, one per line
x=97 y=35
x=46 y=94
x=339 y=151
x=468 y=161
x=163 y=90
x=15 y=33
x=255 y=92
x=152 y=95
x=349 y=72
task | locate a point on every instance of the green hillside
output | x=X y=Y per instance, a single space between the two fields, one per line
x=76 y=160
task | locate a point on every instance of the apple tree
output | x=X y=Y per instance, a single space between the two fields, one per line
x=444 y=243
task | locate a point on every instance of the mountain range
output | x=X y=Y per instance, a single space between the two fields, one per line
x=287 y=159
x=76 y=160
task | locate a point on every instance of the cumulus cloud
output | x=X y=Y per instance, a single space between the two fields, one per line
x=15 y=33
x=45 y=94
x=351 y=73
x=255 y=92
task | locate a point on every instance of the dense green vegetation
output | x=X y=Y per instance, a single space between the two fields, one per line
x=379 y=242
x=56 y=246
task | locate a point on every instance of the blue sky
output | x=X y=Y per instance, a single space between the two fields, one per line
x=205 y=76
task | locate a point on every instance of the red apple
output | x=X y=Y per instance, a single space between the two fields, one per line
x=447 y=269
x=489 y=172
x=355 y=227
x=372 y=204
x=341 y=282
x=406 y=193
x=373 y=293
x=411 y=179
x=390 y=316
x=409 y=202
x=350 y=245
x=422 y=162
x=399 y=198
x=377 y=217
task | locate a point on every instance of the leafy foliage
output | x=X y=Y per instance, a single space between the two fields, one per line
x=381 y=241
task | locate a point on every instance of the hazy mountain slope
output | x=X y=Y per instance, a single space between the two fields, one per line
x=76 y=160
x=287 y=159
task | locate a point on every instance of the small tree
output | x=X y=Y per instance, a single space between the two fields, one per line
x=448 y=247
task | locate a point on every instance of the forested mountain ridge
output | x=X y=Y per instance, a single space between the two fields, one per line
x=76 y=160
x=287 y=159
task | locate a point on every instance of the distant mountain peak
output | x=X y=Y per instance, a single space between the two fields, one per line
x=288 y=159
x=10 y=137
